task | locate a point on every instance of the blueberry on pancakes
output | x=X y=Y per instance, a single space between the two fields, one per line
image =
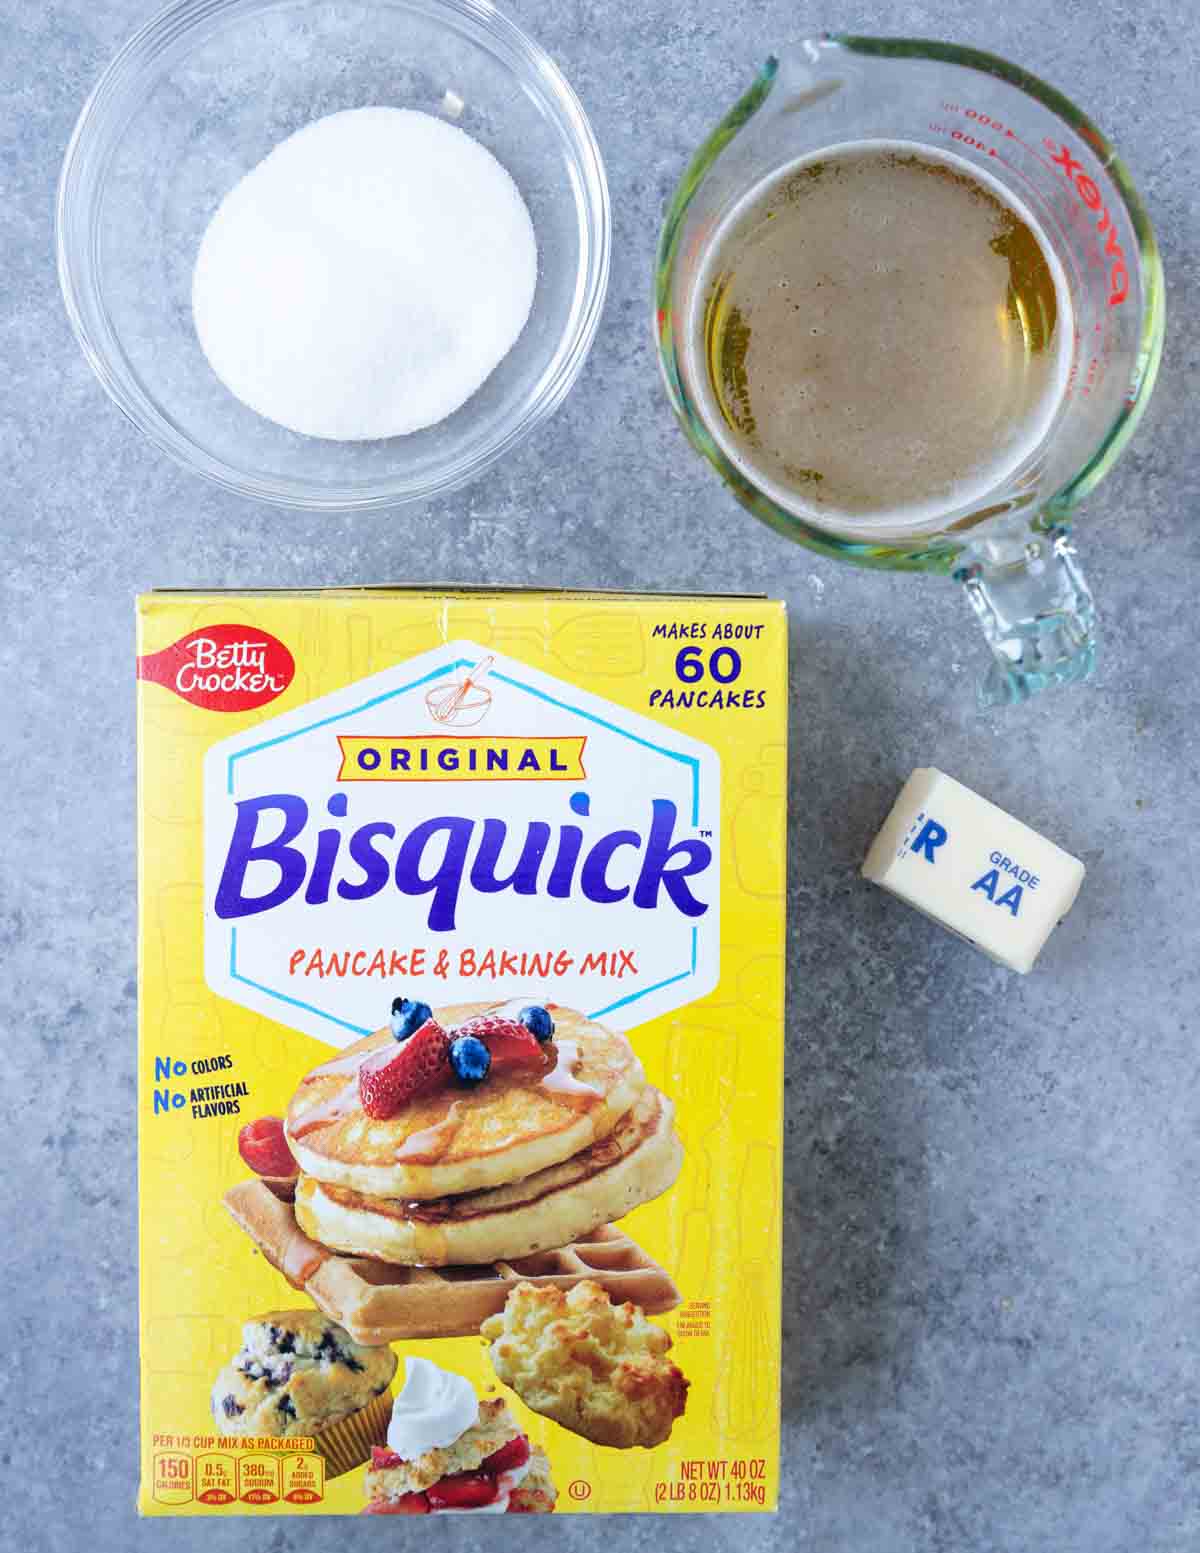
x=476 y=1134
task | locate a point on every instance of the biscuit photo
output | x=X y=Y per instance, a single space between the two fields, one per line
x=598 y=1369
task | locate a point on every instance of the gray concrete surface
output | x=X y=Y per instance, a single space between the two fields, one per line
x=992 y=1269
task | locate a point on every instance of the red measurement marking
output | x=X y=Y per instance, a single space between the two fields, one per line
x=964 y=139
x=980 y=118
x=970 y=140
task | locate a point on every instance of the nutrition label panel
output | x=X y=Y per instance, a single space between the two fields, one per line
x=187 y=1472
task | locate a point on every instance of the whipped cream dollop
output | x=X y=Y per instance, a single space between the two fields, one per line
x=433 y=1408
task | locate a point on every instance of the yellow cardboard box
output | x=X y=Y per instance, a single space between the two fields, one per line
x=502 y=799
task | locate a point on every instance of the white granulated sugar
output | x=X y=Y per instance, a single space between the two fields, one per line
x=366 y=277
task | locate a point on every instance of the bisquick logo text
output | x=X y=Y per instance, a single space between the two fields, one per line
x=442 y=855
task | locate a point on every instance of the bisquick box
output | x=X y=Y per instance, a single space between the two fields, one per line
x=357 y=801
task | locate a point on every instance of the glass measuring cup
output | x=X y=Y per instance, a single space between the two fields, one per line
x=1010 y=546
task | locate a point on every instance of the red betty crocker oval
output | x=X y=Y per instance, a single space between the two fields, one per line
x=223 y=668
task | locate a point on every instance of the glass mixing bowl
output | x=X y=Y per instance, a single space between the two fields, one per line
x=197 y=98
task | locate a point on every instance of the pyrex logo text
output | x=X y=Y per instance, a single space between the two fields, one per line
x=1085 y=187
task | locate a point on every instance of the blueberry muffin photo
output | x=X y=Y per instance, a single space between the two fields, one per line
x=298 y=1373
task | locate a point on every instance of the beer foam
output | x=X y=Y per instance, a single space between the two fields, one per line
x=891 y=335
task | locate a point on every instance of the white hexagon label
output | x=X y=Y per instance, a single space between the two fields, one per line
x=460 y=827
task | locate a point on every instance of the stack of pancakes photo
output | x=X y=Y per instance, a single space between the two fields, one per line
x=472 y=1170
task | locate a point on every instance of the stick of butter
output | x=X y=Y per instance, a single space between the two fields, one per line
x=973 y=868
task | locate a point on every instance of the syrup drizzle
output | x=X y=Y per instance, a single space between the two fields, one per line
x=432 y=1143
x=326 y=1112
x=345 y=1101
x=300 y=1260
x=429 y=1144
x=343 y=1064
x=561 y=1078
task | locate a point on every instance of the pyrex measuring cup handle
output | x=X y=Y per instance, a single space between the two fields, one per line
x=1036 y=611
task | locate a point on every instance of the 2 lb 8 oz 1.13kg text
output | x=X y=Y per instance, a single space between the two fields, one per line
x=713 y=1480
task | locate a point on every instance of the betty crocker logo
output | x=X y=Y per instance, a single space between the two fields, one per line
x=222 y=668
x=1085 y=187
